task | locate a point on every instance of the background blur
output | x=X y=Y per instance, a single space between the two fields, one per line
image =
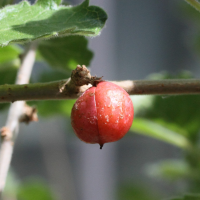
x=140 y=38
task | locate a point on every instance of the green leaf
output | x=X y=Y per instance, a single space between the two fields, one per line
x=9 y=63
x=5 y=2
x=66 y=53
x=8 y=75
x=9 y=54
x=12 y=185
x=35 y=189
x=192 y=16
x=187 y=197
x=49 y=4
x=155 y=130
x=60 y=107
x=24 y=23
x=182 y=112
x=171 y=170
x=131 y=191
x=189 y=13
x=53 y=75
x=192 y=197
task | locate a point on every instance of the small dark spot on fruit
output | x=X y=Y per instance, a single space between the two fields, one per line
x=2 y=97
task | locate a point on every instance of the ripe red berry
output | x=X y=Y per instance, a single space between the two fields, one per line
x=102 y=114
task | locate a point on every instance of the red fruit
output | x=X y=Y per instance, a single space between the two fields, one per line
x=102 y=114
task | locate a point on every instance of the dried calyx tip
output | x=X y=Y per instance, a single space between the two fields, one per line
x=95 y=80
x=81 y=76
x=101 y=146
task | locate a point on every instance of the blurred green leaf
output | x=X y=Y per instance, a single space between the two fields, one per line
x=155 y=130
x=131 y=191
x=56 y=107
x=8 y=75
x=188 y=12
x=66 y=53
x=187 y=197
x=35 y=190
x=171 y=170
x=10 y=54
x=184 y=111
x=5 y=2
x=195 y=42
x=53 y=75
x=9 y=63
x=45 y=19
x=192 y=197
x=12 y=185
x=178 y=113
x=192 y=17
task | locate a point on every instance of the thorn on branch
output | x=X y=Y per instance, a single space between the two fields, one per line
x=29 y=115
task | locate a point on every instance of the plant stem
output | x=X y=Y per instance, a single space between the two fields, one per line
x=10 y=131
x=161 y=87
x=194 y=3
x=63 y=89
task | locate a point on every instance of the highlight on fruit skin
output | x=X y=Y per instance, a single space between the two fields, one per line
x=102 y=114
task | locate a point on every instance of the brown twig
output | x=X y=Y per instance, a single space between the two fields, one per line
x=66 y=89
x=161 y=87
